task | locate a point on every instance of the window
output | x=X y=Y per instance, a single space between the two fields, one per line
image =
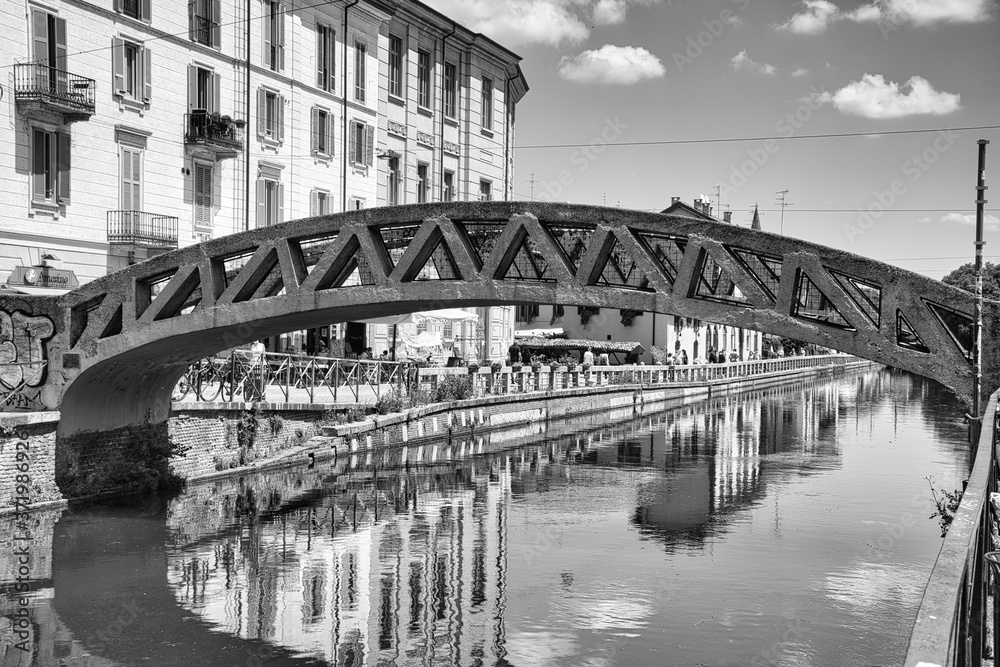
x=392 y=182
x=450 y=89
x=204 y=89
x=131 y=179
x=49 y=51
x=360 y=53
x=448 y=186
x=319 y=203
x=203 y=22
x=423 y=79
x=362 y=143
x=50 y=164
x=270 y=116
x=526 y=314
x=132 y=69
x=485 y=190
x=270 y=202
x=202 y=198
x=274 y=35
x=322 y=132
x=326 y=41
x=357 y=203
x=137 y=9
x=448 y=330
x=395 y=66
x=423 y=184
x=487 y=103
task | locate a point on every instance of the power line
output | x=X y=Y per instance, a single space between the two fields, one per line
x=668 y=142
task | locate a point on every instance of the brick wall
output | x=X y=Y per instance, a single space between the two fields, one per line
x=27 y=459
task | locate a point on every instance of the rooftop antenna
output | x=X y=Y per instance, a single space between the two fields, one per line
x=718 y=198
x=531 y=181
x=780 y=201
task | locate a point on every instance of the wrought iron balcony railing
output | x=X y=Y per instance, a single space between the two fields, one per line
x=214 y=130
x=142 y=228
x=69 y=93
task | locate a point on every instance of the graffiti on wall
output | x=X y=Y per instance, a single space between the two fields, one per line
x=22 y=359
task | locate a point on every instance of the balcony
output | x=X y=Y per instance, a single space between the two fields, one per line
x=139 y=228
x=40 y=88
x=221 y=136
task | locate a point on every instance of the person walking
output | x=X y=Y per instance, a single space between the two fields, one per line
x=684 y=358
x=588 y=357
x=514 y=352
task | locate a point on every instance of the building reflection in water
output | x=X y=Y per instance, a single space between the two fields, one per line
x=408 y=566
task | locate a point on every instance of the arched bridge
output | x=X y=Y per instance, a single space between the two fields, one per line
x=115 y=347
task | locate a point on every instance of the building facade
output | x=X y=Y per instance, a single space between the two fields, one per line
x=139 y=126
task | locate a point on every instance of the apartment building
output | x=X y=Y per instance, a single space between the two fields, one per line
x=138 y=126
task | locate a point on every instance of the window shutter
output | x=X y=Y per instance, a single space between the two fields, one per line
x=313 y=203
x=261 y=117
x=40 y=30
x=38 y=158
x=261 y=203
x=279 y=195
x=63 y=160
x=369 y=144
x=118 y=64
x=147 y=13
x=320 y=55
x=147 y=78
x=279 y=39
x=267 y=33
x=331 y=54
x=354 y=157
x=216 y=19
x=329 y=133
x=119 y=5
x=315 y=130
x=280 y=115
x=192 y=87
x=61 y=44
x=214 y=106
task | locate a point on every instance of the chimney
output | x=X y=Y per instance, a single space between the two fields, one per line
x=706 y=208
x=674 y=200
x=697 y=205
x=727 y=217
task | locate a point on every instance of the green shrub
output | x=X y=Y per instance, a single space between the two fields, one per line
x=393 y=401
x=454 y=388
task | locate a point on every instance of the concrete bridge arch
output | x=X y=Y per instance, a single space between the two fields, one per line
x=117 y=345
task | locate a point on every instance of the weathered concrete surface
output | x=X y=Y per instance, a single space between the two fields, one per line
x=115 y=352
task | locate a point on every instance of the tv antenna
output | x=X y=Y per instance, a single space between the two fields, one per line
x=780 y=201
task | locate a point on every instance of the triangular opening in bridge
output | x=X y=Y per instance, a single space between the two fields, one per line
x=906 y=335
x=813 y=305
x=483 y=237
x=351 y=268
x=148 y=290
x=114 y=325
x=866 y=296
x=440 y=265
x=620 y=270
x=667 y=250
x=527 y=264
x=573 y=240
x=958 y=326
x=715 y=284
x=765 y=269
x=183 y=299
x=312 y=250
x=396 y=239
x=80 y=318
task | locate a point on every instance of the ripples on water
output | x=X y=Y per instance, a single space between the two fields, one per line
x=779 y=527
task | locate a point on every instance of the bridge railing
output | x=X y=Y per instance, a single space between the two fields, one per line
x=951 y=625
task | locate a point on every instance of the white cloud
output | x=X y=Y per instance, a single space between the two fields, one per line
x=991 y=222
x=741 y=61
x=800 y=71
x=611 y=64
x=733 y=20
x=817 y=15
x=812 y=20
x=924 y=219
x=552 y=22
x=874 y=97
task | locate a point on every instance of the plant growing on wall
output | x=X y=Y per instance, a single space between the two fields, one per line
x=586 y=312
x=628 y=315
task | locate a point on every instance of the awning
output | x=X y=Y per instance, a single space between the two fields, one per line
x=539 y=333
x=446 y=314
x=34 y=291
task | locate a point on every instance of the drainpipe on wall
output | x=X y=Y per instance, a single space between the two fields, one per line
x=508 y=187
x=246 y=136
x=346 y=135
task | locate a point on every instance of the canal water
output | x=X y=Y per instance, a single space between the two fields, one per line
x=787 y=526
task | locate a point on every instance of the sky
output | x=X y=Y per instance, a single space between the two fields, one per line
x=652 y=72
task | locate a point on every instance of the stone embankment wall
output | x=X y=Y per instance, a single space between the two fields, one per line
x=27 y=459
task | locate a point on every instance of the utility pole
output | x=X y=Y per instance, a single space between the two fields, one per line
x=531 y=181
x=718 y=198
x=783 y=204
x=977 y=336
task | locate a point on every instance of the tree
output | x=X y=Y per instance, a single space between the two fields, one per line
x=964 y=278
